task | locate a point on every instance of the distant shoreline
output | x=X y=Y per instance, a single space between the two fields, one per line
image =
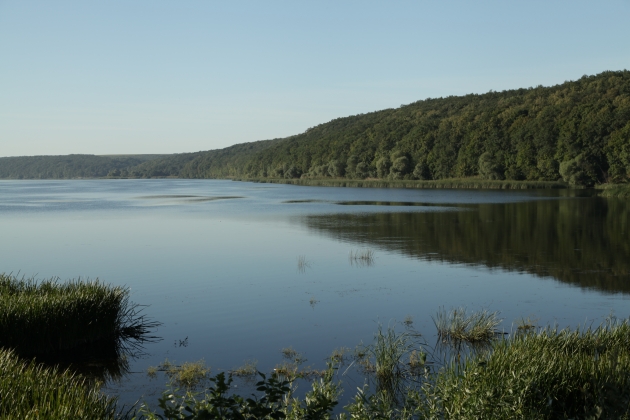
x=455 y=183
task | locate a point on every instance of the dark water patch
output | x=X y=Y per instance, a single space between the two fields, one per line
x=583 y=242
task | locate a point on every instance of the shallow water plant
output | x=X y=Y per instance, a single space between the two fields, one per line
x=363 y=257
x=460 y=325
x=30 y=390
x=388 y=356
x=50 y=317
x=546 y=375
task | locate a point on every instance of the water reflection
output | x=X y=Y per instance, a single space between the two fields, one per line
x=579 y=241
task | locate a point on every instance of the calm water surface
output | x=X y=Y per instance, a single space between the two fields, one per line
x=217 y=260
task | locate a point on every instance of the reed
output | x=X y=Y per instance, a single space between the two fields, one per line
x=29 y=390
x=546 y=375
x=459 y=325
x=387 y=357
x=49 y=317
x=363 y=257
x=303 y=263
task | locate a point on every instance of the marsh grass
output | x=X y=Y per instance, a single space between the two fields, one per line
x=247 y=370
x=361 y=258
x=313 y=302
x=293 y=355
x=340 y=355
x=458 y=325
x=51 y=318
x=387 y=359
x=581 y=373
x=303 y=264
x=32 y=391
x=188 y=375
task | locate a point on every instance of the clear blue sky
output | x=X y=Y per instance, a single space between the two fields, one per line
x=153 y=76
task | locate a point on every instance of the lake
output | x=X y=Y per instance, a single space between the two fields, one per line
x=218 y=262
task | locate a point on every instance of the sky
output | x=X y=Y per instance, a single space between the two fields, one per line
x=155 y=76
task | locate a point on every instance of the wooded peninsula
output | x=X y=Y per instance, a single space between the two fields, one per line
x=577 y=132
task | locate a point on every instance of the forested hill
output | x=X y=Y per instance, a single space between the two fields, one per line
x=578 y=131
x=68 y=166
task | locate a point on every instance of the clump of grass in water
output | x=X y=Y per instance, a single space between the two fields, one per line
x=361 y=257
x=387 y=357
x=459 y=325
x=188 y=375
x=248 y=369
x=408 y=321
x=339 y=355
x=313 y=301
x=49 y=317
x=303 y=263
x=30 y=390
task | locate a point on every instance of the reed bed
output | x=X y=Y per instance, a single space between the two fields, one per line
x=546 y=375
x=49 y=317
x=32 y=391
x=460 y=325
x=458 y=183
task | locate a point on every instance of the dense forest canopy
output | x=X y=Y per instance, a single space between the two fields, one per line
x=578 y=131
x=68 y=166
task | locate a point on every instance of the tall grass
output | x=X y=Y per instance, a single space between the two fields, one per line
x=32 y=391
x=546 y=375
x=387 y=358
x=49 y=317
x=470 y=327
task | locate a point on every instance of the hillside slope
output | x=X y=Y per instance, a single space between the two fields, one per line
x=578 y=130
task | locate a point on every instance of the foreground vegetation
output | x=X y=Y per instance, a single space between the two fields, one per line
x=32 y=391
x=544 y=374
x=577 y=132
x=49 y=318
x=59 y=341
x=474 y=372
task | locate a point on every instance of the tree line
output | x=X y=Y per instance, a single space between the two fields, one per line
x=577 y=131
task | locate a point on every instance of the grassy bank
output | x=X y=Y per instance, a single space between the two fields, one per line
x=459 y=183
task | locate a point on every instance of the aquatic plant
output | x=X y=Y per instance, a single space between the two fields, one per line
x=32 y=391
x=363 y=257
x=550 y=374
x=386 y=358
x=459 y=325
x=303 y=263
x=188 y=375
x=248 y=369
x=51 y=318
